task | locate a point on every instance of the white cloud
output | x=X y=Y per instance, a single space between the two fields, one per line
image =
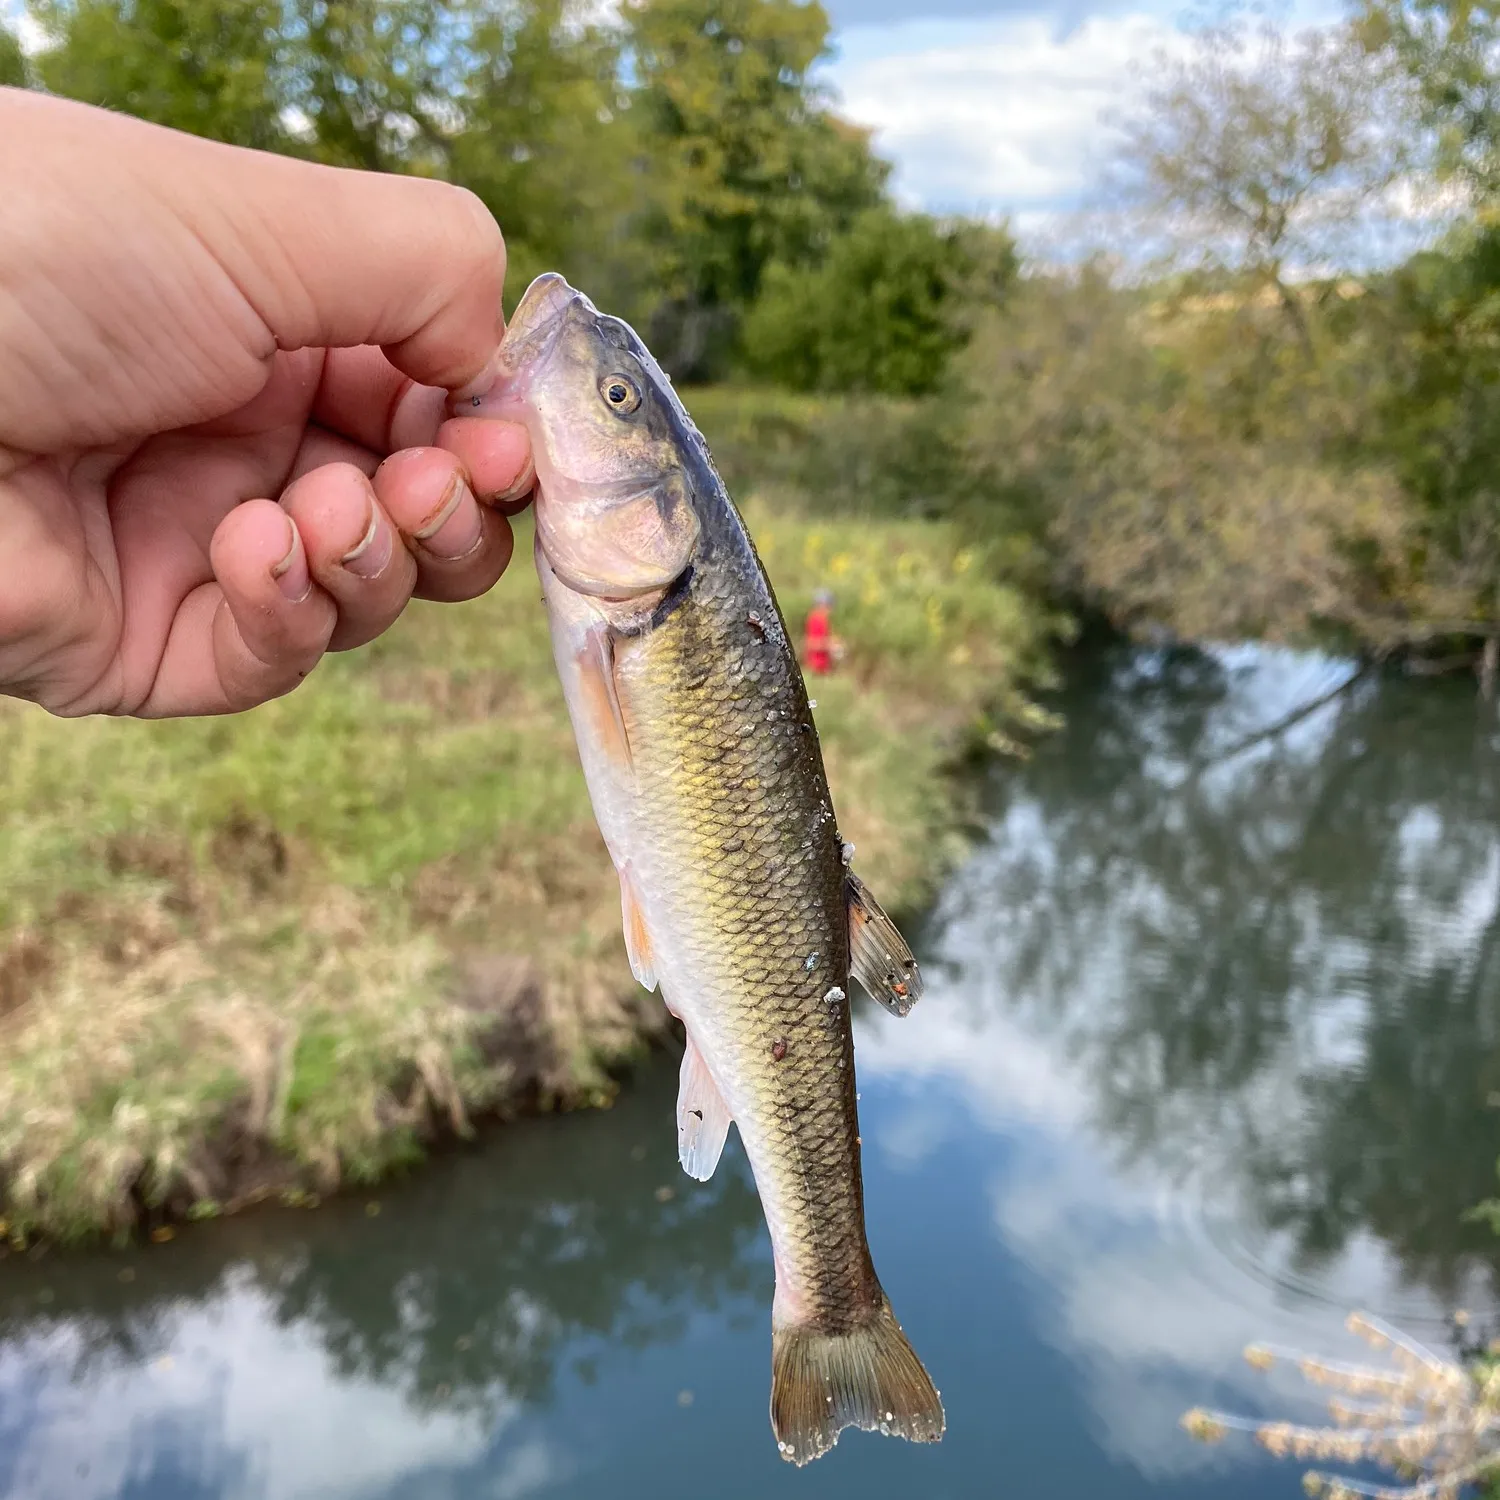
x=1006 y=116
x=13 y=16
x=258 y=1409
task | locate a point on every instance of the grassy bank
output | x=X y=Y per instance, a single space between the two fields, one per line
x=279 y=953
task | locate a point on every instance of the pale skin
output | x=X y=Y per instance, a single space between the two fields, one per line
x=225 y=380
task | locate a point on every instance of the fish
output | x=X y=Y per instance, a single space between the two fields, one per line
x=706 y=777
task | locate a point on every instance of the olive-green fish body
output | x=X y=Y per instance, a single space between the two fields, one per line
x=703 y=765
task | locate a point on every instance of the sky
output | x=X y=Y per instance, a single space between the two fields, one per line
x=995 y=106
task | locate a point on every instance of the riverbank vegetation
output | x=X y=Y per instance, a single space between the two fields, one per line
x=278 y=952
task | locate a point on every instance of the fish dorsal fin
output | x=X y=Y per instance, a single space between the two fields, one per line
x=637 y=938
x=702 y=1116
x=878 y=955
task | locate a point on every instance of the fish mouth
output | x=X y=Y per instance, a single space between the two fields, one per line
x=538 y=319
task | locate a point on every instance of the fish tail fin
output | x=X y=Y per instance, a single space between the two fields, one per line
x=867 y=1377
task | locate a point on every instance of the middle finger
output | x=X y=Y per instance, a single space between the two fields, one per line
x=461 y=547
x=353 y=550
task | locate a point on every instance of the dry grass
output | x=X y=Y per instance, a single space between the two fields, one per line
x=1429 y=1419
x=281 y=952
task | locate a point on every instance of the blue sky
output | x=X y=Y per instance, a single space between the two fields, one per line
x=994 y=106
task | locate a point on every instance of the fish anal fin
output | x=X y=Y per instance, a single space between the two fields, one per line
x=702 y=1116
x=878 y=955
x=868 y=1376
x=595 y=660
x=637 y=938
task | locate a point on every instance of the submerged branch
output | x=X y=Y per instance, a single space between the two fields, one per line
x=1288 y=721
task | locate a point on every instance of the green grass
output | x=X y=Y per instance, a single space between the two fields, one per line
x=280 y=952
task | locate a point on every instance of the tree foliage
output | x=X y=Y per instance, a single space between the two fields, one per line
x=1267 y=154
x=13 y=70
x=191 y=64
x=749 y=164
x=1448 y=51
x=664 y=158
x=883 y=312
x=1119 y=423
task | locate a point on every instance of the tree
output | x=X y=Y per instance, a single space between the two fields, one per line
x=743 y=160
x=379 y=84
x=1183 y=468
x=1448 y=51
x=196 y=65
x=550 y=143
x=13 y=72
x=519 y=100
x=881 y=313
x=1267 y=156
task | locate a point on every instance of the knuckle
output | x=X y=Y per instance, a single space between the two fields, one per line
x=478 y=245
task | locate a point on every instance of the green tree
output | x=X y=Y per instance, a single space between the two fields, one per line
x=1434 y=414
x=551 y=145
x=745 y=164
x=365 y=83
x=196 y=65
x=380 y=84
x=1180 y=458
x=519 y=100
x=882 y=311
x=13 y=72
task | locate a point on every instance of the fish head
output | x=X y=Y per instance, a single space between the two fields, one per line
x=614 y=512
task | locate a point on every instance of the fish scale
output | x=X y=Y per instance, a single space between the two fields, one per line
x=776 y=906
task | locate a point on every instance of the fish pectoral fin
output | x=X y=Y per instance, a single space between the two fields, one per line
x=702 y=1116
x=637 y=938
x=595 y=660
x=878 y=955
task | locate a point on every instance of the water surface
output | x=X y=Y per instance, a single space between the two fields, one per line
x=1206 y=1057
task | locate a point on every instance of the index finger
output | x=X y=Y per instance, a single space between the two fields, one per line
x=363 y=397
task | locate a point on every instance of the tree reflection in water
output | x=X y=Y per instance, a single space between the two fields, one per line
x=1280 y=968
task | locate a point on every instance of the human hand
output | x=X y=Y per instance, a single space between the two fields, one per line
x=210 y=473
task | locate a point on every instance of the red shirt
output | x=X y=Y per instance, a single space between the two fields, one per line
x=817 y=634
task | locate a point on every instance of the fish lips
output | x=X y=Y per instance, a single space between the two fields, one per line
x=529 y=337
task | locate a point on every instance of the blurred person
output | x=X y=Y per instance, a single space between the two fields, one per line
x=224 y=385
x=820 y=648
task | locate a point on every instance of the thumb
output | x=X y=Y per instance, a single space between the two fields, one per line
x=148 y=277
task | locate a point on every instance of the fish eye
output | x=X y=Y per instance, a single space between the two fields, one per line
x=621 y=392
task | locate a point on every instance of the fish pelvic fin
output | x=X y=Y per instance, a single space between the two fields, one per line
x=594 y=660
x=637 y=938
x=867 y=1377
x=702 y=1116
x=878 y=955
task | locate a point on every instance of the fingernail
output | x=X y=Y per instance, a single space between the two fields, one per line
x=456 y=527
x=291 y=573
x=367 y=559
x=521 y=485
